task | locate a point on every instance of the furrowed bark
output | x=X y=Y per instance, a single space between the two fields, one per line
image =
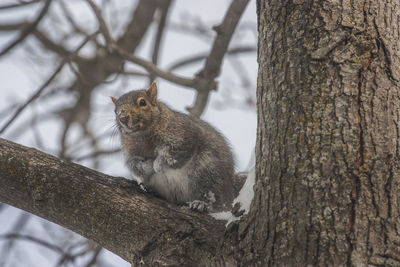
x=109 y=210
x=327 y=177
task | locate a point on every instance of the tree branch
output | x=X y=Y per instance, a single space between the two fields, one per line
x=113 y=46
x=46 y=83
x=17 y=236
x=20 y=4
x=213 y=62
x=112 y=211
x=199 y=57
x=159 y=35
x=29 y=29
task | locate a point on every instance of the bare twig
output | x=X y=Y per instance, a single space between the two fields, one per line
x=204 y=82
x=17 y=227
x=29 y=29
x=36 y=134
x=70 y=19
x=32 y=239
x=196 y=58
x=149 y=66
x=48 y=81
x=153 y=69
x=36 y=95
x=96 y=154
x=68 y=256
x=134 y=73
x=103 y=26
x=94 y=71
x=96 y=253
x=49 y=44
x=213 y=63
x=192 y=26
x=13 y=27
x=20 y=4
x=160 y=32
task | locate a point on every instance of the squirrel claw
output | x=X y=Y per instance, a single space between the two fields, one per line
x=198 y=205
x=143 y=188
x=171 y=161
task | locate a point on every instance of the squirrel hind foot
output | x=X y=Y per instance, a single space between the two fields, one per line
x=199 y=205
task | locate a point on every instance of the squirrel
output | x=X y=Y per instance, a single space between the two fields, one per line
x=178 y=157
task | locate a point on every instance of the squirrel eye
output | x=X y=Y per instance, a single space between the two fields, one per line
x=142 y=102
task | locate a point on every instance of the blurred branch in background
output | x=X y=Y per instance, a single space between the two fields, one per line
x=67 y=255
x=47 y=82
x=212 y=66
x=27 y=30
x=72 y=66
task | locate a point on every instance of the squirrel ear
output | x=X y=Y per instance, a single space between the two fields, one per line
x=114 y=100
x=151 y=92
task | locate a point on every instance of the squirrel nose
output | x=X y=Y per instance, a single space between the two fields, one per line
x=124 y=120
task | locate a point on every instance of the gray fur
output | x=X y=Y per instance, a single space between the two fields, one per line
x=180 y=158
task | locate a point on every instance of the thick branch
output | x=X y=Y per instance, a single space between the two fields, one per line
x=109 y=210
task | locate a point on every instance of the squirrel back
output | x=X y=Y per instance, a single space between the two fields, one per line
x=178 y=157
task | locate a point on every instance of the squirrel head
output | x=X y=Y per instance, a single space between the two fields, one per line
x=136 y=110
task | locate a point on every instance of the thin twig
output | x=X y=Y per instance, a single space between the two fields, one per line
x=134 y=73
x=96 y=154
x=13 y=27
x=149 y=66
x=21 y=4
x=17 y=227
x=159 y=35
x=196 y=58
x=70 y=19
x=153 y=69
x=213 y=62
x=96 y=253
x=48 y=81
x=31 y=99
x=32 y=239
x=27 y=30
x=49 y=44
x=67 y=256
x=103 y=26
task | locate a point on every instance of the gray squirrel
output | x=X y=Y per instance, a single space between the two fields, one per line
x=178 y=157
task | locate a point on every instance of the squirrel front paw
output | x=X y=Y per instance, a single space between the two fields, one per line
x=164 y=153
x=198 y=205
x=140 y=166
x=170 y=161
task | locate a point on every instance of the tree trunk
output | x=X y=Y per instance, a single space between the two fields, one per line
x=327 y=176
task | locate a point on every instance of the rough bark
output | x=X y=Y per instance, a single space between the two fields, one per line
x=327 y=178
x=112 y=211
